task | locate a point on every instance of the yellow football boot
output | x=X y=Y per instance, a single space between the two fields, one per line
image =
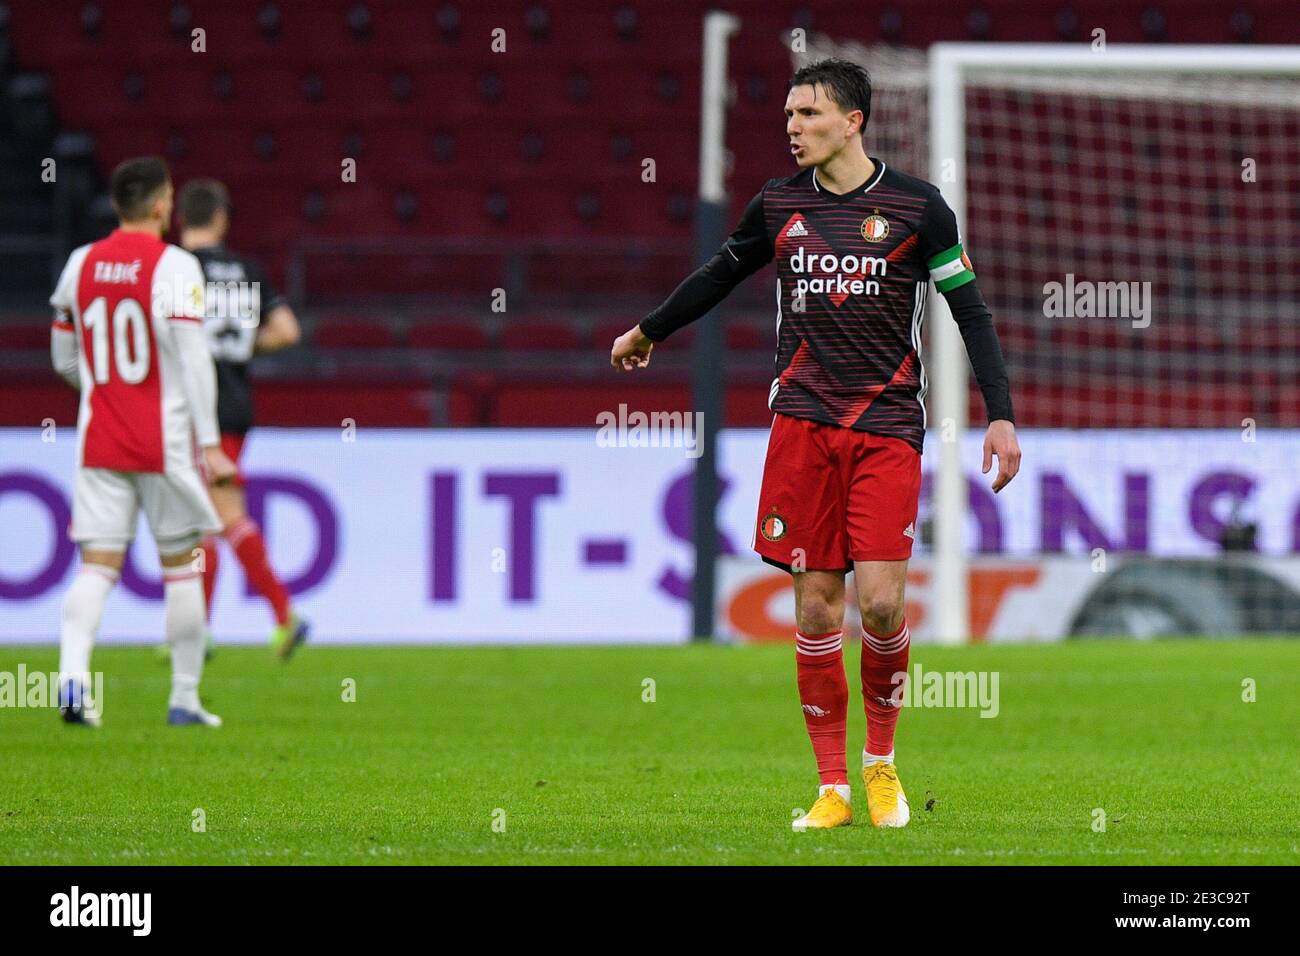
x=886 y=802
x=830 y=810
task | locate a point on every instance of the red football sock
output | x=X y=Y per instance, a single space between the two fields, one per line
x=246 y=540
x=209 y=573
x=824 y=694
x=882 y=658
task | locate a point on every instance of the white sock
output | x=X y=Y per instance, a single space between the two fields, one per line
x=841 y=788
x=869 y=759
x=183 y=600
x=83 y=606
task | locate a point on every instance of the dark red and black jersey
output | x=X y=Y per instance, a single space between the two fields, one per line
x=853 y=272
x=239 y=296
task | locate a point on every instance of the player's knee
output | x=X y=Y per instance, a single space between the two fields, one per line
x=104 y=554
x=881 y=613
x=818 y=614
x=179 y=550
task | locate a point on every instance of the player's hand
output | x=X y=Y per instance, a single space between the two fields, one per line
x=631 y=350
x=221 y=470
x=1000 y=440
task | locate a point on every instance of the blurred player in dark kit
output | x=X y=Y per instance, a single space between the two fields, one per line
x=245 y=317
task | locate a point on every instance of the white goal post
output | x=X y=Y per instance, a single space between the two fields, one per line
x=1115 y=71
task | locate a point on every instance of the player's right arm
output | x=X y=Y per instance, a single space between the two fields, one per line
x=64 y=351
x=744 y=253
x=198 y=372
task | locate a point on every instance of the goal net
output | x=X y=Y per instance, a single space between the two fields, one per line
x=1133 y=216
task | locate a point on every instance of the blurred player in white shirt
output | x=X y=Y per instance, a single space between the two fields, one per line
x=128 y=332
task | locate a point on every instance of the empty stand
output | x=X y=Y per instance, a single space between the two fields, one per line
x=546 y=142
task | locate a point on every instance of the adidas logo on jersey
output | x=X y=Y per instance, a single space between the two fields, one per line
x=797 y=229
x=910 y=530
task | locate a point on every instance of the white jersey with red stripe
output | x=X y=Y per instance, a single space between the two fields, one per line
x=120 y=297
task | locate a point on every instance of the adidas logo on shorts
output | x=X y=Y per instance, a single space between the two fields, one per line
x=910 y=530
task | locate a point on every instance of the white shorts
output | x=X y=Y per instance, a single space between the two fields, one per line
x=106 y=503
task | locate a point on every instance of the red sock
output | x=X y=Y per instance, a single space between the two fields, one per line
x=824 y=694
x=882 y=658
x=246 y=540
x=209 y=573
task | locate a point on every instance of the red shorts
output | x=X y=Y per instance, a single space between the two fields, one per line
x=832 y=496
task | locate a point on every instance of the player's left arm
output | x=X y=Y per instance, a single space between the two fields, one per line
x=954 y=277
x=279 y=327
x=279 y=330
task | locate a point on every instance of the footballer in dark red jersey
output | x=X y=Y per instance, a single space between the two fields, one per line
x=857 y=244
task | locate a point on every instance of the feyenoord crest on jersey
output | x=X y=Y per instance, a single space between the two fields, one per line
x=875 y=228
x=853 y=271
x=773 y=526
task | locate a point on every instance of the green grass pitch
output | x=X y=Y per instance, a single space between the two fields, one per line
x=549 y=755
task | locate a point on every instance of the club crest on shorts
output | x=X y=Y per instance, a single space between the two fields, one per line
x=772 y=526
x=875 y=228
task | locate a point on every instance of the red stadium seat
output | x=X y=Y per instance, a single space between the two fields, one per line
x=749 y=338
x=1288 y=406
x=379 y=402
x=624 y=69
x=443 y=334
x=350 y=333
x=1091 y=405
x=30 y=398
x=554 y=405
x=1109 y=334
x=523 y=335
x=34 y=336
x=536 y=405
x=469 y=398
